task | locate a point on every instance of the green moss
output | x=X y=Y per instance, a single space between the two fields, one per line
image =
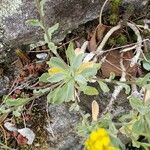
x=121 y=40
x=114 y=17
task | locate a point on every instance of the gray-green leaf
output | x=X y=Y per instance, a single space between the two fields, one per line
x=70 y=53
x=35 y=22
x=80 y=79
x=89 y=90
x=16 y=102
x=56 y=78
x=52 y=29
x=42 y=2
x=56 y=62
x=103 y=86
x=77 y=61
x=44 y=77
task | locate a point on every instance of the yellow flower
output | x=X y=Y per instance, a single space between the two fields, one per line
x=99 y=140
x=54 y=70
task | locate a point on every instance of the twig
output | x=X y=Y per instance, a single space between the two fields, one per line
x=139 y=43
x=42 y=20
x=101 y=12
x=128 y=49
x=84 y=46
x=46 y=29
x=119 y=47
x=106 y=37
x=4 y=135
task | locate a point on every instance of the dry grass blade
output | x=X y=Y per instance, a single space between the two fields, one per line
x=95 y=110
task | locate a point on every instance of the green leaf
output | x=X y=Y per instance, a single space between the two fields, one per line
x=136 y=144
x=112 y=76
x=44 y=77
x=35 y=22
x=4 y=110
x=89 y=72
x=138 y=126
x=50 y=96
x=117 y=142
x=125 y=117
x=52 y=29
x=63 y=94
x=77 y=61
x=125 y=86
x=104 y=86
x=57 y=96
x=69 y=91
x=137 y=104
x=143 y=81
x=57 y=62
x=146 y=65
x=146 y=62
x=147 y=86
x=16 y=102
x=17 y=112
x=46 y=38
x=75 y=107
x=56 y=78
x=70 y=53
x=89 y=90
x=42 y=2
x=35 y=91
x=52 y=47
x=80 y=79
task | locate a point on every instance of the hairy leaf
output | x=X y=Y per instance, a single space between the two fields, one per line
x=56 y=78
x=44 y=77
x=16 y=102
x=52 y=29
x=35 y=22
x=42 y=2
x=89 y=90
x=70 y=53
x=56 y=62
x=104 y=86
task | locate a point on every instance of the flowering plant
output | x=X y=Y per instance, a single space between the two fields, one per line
x=99 y=140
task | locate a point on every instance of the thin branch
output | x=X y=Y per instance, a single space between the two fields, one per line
x=139 y=43
x=106 y=37
x=101 y=12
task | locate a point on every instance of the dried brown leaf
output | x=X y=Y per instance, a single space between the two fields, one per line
x=113 y=64
x=97 y=36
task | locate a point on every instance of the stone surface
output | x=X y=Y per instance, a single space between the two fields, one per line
x=63 y=124
x=68 y=13
x=4 y=85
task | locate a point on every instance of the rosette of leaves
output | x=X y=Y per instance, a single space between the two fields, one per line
x=69 y=77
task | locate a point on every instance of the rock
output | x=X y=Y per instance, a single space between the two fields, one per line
x=4 y=85
x=68 y=13
x=63 y=124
